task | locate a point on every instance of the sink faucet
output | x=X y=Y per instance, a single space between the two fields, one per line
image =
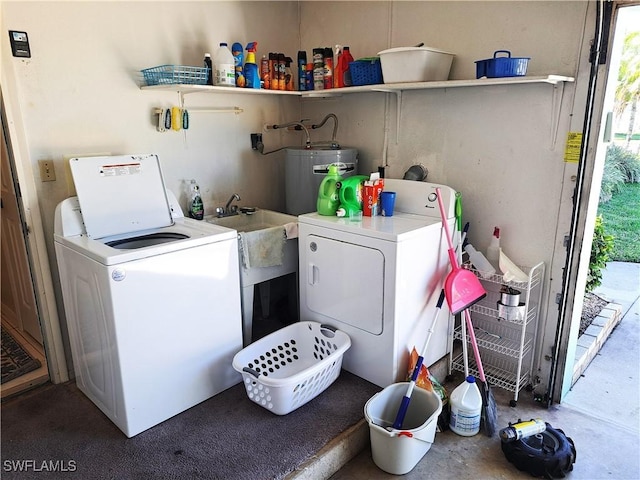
x=229 y=209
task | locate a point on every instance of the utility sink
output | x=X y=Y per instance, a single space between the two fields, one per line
x=260 y=276
x=250 y=222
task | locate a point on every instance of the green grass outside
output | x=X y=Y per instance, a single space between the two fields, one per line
x=621 y=219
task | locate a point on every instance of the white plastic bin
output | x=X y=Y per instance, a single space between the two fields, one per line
x=415 y=64
x=398 y=451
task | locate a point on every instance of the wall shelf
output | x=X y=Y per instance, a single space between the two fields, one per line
x=385 y=88
x=557 y=81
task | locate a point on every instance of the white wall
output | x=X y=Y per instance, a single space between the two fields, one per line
x=79 y=95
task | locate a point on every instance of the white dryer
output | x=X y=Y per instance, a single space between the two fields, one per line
x=379 y=280
x=152 y=299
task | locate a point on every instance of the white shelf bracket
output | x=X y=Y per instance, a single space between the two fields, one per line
x=398 y=112
x=556 y=107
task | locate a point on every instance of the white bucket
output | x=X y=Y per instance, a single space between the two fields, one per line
x=398 y=451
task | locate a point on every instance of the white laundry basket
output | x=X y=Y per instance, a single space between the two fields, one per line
x=398 y=451
x=291 y=366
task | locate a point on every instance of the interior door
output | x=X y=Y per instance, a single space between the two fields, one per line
x=18 y=298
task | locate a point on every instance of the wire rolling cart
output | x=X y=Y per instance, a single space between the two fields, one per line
x=507 y=345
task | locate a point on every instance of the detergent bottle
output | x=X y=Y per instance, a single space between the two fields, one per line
x=251 y=73
x=328 y=201
x=238 y=59
x=350 y=195
x=224 y=65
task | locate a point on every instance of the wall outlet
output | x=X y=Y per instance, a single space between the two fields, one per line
x=47 y=171
x=255 y=139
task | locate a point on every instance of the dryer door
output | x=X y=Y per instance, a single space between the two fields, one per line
x=345 y=282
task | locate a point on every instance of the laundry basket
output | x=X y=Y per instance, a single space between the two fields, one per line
x=291 y=366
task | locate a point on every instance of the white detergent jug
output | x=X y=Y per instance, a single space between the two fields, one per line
x=466 y=407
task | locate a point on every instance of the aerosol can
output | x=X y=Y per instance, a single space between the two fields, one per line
x=517 y=431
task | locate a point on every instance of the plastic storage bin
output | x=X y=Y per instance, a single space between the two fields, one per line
x=366 y=72
x=415 y=64
x=175 y=74
x=290 y=367
x=497 y=67
x=398 y=451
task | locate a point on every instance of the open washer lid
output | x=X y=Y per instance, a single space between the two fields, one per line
x=120 y=194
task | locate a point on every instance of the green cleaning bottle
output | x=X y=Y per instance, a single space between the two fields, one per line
x=196 y=207
x=350 y=195
x=328 y=200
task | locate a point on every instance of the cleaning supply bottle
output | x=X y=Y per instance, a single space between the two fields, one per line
x=196 y=207
x=308 y=78
x=265 y=73
x=288 y=74
x=224 y=65
x=347 y=58
x=328 y=68
x=251 y=74
x=302 y=70
x=273 y=68
x=350 y=195
x=466 y=408
x=493 y=250
x=338 y=79
x=328 y=200
x=281 y=71
x=238 y=59
x=209 y=65
x=479 y=261
x=318 y=68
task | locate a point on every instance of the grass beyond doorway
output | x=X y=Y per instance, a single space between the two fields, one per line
x=621 y=218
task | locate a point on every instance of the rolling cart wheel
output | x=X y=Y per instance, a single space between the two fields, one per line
x=513 y=403
x=550 y=454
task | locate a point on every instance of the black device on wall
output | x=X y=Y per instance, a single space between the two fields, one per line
x=19 y=44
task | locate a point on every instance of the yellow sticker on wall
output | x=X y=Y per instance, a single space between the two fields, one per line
x=572 y=148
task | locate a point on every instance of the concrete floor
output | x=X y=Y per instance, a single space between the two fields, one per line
x=600 y=413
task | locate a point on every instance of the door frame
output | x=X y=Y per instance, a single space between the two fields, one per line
x=17 y=151
x=586 y=196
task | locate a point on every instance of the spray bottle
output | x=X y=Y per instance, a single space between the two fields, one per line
x=251 y=73
x=493 y=250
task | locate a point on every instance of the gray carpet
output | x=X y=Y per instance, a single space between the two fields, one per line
x=55 y=427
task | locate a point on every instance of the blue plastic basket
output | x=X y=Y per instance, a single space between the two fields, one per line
x=175 y=74
x=502 y=66
x=366 y=71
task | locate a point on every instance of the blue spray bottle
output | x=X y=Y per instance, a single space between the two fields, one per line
x=251 y=73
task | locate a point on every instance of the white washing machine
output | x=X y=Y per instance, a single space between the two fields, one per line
x=379 y=280
x=152 y=299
